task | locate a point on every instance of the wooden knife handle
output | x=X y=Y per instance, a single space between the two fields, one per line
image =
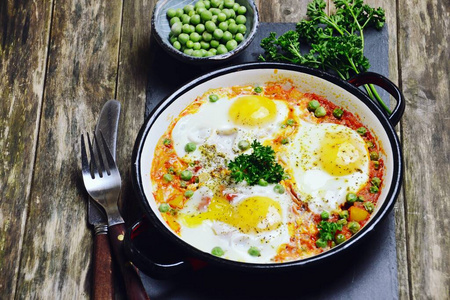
x=103 y=277
x=133 y=284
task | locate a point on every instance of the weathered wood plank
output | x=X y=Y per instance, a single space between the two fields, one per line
x=424 y=60
x=24 y=36
x=282 y=10
x=82 y=71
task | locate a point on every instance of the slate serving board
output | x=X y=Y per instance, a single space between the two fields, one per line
x=369 y=271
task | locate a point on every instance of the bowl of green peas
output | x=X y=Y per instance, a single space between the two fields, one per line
x=204 y=31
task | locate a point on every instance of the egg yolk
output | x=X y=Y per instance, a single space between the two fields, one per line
x=252 y=215
x=341 y=155
x=252 y=111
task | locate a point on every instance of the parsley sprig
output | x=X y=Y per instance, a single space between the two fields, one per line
x=260 y=164
x=336 y=41
x=327 y=230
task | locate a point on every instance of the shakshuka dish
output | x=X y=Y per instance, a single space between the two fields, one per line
x=266 y=174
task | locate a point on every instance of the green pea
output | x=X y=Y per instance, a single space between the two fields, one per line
x=204 y=45
x=215 y=43
x=221 y=17
x=241 y=28
x=186 y=28
x=351 y=198
x=177 y=45
x=374 y=156
x=374 y=189
x=200 y=10
x=223 y=26
x=369 y=206
x=253 y=251
x=243 y=145
x=200 y=28
x=207 y=4
x=227 y=13
x=174 y=20
x=218 y=34
x=376 y=181
x=190 y=44
x=207 y=37
x=262 y=182
x=321 y=243
x=228 y=3
x=285 y=141
x=197 y=53
x=215 y=11
x=188 y=51
x=213 y=98
x=340 y=238
x=195 y=37
x=215 y=3
x=342 y=222
x=195 y=19
x=343 y=214
x=353 y=227
x=167 y=142
x=221 y=49
x=369 y=144
x=325 y=215
x=183 y=184
x=213 y=51
x=186 y=175
x=233 y=28
x=188 y=193
x=337 y=113
x=236 y=6
x=185 y=19
x=217 y=251
x=241 y=10
x=176 y=28
x=360 y=199
x=206 y=15
x=241 y=19
x=231 y=21
x=239 y=37
x=171 y=13
x=279 y=189
x=313 y=105
x=197 y=46
x=258 y=89
x=190 y=147
x=164 y=207
x=210 y=26
x=361 y=131
x=188 y=8
x=376 y=165
x=168 y=177
x=227 y=36
x=231 y=45
x=173 y=39
x=199 y=4
x=320 y=112
x=290 y=122
x=179 y=12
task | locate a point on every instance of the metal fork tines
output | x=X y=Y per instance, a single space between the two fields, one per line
x=101 y=176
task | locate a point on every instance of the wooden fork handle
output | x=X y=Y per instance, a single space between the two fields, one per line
x=103 y=277
x=133 y=284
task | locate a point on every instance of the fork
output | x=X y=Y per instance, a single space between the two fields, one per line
x=102 y=180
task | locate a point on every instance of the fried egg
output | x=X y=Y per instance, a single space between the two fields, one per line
x=224 y=123
x=327 y=161
x=253 y=217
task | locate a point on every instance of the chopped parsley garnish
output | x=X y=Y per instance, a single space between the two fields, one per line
x=260 y=164
x=327 y=230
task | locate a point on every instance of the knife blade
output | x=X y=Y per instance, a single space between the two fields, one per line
x=103 y=287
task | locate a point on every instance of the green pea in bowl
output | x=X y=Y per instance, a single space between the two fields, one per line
x=204 y=31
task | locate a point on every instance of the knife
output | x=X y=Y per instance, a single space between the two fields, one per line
x=103 y=287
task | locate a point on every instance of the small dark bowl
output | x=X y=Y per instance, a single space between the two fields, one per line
x=161 y=30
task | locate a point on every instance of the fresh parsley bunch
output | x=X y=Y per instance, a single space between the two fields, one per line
x=260 y=164
x=327 y=230
x=336 y=41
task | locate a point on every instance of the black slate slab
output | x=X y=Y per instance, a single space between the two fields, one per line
x=368 y=271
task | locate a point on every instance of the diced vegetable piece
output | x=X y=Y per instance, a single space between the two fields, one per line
x=357 y=214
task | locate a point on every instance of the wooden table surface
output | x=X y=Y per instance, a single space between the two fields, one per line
x=61 y=60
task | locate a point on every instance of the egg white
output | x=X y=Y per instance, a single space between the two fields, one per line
x=317 y=187
x=211 y=125
x=235 y=243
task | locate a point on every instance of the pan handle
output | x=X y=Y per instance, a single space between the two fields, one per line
x=386 y=84
x=150 y=265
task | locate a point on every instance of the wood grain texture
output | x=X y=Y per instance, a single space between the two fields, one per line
x=81 y=76
x=424 y=73
x=24 y=36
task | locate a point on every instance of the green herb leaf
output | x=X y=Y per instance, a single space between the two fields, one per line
x=260 y=164
x=327 y=230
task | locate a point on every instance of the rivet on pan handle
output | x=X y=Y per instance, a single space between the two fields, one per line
x=386 y=84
